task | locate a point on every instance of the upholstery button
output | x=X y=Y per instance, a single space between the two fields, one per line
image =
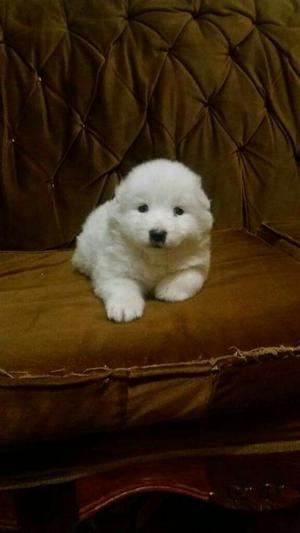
x=233 y=50
x=268 y=105
x=39 y=79
x=51 y=185
x=240 y=147
x=12 y=140
x=83 y=125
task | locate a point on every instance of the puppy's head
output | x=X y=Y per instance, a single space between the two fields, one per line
x=161 y=204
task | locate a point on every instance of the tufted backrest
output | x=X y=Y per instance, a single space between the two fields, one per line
x=91 y=87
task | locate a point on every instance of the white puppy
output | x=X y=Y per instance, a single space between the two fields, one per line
x=153 y=237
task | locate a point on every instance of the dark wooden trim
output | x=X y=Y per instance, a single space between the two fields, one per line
x=250 y=483
x=49 y=509
x=254 y=482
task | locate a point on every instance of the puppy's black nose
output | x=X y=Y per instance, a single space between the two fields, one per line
x=157 y=236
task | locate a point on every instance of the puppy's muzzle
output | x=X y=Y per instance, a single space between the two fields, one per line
x=157 y=237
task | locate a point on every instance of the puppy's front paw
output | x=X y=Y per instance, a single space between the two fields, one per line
x=121 y=311
x=171 y=293
x=179 y=287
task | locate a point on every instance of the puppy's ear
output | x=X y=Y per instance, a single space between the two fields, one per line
x=203 y=200
x=118 y=191
x=200 y=194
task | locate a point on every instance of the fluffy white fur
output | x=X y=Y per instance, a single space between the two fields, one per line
x=116 y=251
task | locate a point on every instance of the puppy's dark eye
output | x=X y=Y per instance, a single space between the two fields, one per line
x=143 y=208
x=178 y=211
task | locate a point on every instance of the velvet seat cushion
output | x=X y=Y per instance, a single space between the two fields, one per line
x=66 y=370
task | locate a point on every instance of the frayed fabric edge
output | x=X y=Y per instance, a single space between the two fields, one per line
x=211 y=365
